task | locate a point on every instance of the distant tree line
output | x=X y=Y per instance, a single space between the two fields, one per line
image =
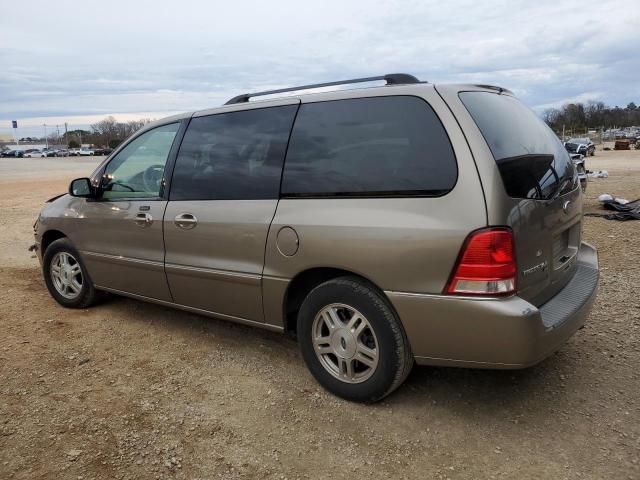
x=110 y=133
x=578 y=116
x=105 y=133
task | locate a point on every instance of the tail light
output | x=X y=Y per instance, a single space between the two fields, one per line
x=486 y=265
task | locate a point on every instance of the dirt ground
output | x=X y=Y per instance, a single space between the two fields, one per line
x=129 y=390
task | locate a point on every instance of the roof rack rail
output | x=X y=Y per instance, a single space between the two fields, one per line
x=390 y=78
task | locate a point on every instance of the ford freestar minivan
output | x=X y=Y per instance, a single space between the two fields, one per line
x=381 y=225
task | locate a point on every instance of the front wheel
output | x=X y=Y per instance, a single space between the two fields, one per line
x=66 y=276
x=352 y=341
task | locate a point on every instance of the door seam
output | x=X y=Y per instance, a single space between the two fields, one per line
x=275 y=211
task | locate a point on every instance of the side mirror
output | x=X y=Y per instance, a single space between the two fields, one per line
x=81 y=187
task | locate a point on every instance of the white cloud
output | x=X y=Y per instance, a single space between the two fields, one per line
x=136 y=57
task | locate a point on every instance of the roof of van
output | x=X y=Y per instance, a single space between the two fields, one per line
x=291 y=94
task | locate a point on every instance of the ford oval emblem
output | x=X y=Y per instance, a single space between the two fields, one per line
x=565 y=206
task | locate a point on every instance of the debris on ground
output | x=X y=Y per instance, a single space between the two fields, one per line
x=625 y=209
x=624 y=144
x=597 y=174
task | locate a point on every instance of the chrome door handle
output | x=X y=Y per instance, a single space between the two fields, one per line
x=143 y=220
x=186 y=221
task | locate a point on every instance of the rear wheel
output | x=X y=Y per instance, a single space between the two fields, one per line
x=66 y=276
x=352 y=341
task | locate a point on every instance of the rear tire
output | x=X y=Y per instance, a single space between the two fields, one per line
x=352 y=341
x=66 y=276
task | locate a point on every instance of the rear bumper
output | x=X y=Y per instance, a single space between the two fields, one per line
x=497 y=333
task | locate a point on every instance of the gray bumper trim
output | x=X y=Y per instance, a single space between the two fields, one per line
x=575 y=294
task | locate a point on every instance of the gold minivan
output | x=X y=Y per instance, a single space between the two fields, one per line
x=407 y=222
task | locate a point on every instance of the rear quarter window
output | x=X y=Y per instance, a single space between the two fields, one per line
x=392 y=145
x=532 y=161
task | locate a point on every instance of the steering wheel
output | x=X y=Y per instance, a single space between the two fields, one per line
x=151 y=177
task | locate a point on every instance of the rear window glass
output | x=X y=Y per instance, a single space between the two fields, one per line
x=369 y=146
x=532 y=161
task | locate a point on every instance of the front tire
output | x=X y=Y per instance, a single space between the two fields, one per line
x=352 y=341
x=66 y=276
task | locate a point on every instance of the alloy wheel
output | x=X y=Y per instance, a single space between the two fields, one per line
x=66 y=275
x=345 y=343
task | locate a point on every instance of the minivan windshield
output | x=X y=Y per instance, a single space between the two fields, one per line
x=532 y=161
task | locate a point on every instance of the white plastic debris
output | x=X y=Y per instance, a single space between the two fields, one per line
x=598 y=174
x=605 y=197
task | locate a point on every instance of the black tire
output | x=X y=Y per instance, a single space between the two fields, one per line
x=394 y=353
x=87 y=294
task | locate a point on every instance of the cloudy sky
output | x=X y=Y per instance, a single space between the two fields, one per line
x=78 y=61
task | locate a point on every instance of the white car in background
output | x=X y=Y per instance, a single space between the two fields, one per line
x=85 y=152
x=35 y=154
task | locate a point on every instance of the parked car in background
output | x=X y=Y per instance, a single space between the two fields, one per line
x=63 y=152
x=73 y=152
x=583 y=146
x=404 y=225
x=12 y=153
x=51 y=153
x=35 y=154
x=85 y=152
x=102 y=151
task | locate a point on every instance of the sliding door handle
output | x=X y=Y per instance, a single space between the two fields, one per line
x=186 y=221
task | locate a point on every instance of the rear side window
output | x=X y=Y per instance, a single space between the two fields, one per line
x=233 y=156
x=532 y=161
x=369 y=146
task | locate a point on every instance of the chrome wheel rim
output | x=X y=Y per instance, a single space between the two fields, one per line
x=345 y=343
x=66 y=275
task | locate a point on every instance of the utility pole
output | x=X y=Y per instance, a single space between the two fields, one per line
x=45 y=135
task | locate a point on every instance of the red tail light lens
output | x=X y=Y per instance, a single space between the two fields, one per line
x=486 y=265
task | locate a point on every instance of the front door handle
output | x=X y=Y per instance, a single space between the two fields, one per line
x=143 y=220
x=186 y=221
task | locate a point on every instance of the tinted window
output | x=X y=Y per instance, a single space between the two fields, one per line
x=369 y=146
x=233 y=156
x=532 y=161
x=137 y=170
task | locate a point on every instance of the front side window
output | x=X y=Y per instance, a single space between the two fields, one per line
x=392 y=145
x=233 y=156
x=137 y=170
